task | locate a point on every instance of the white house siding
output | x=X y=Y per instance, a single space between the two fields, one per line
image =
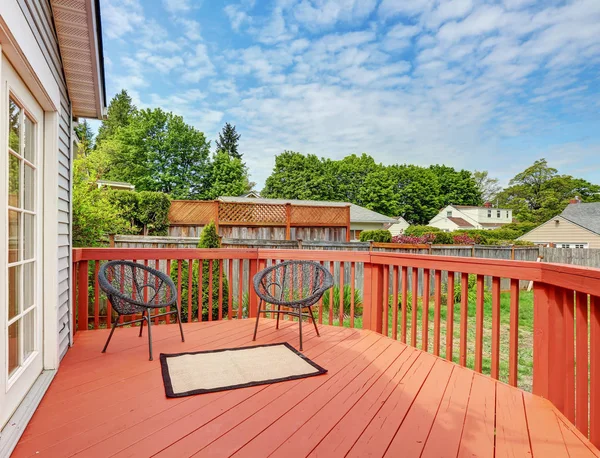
x=38 y=16
x=562 y=231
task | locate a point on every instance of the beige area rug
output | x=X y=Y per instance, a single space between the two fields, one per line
x=185 y=374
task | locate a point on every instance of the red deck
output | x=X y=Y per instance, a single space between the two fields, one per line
x=380 y=398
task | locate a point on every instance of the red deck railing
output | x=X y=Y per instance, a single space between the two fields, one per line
x=482 y=300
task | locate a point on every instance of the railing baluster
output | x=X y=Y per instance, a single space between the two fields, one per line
x=240 y=311
x=331 y=270
x=321 y=303
x=415 y=306
x=386 y=299
x=146 y=288
x=156 y=311
x=569 y=322
x=464 y=316
x=121 y=319
x=220 y=311
x=437 y=311
x=352 y=292
x=404 y=302
x=82 y=322
x=495 y=369
x=190 y=290
x=168 y=296
x=425 y=311
x=479 y=323
x=75 y=305
x=450 y=317
x=230 y=290
x=581 y=361
x=342 y=292
x=200 y=289
x=513 y=343
x=96 y=295
x=210 y=289
x=395 y=303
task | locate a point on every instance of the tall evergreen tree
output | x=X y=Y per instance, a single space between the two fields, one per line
x=120 y=111
x=85 y=136
x=228 y=141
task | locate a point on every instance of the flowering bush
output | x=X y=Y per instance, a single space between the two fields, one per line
x=413 y=239
x=463 y=239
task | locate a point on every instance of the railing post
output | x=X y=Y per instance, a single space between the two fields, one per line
x=549 y=344
x=75 y=276
x=82 y=302
x=288 y=221
x=373 y=297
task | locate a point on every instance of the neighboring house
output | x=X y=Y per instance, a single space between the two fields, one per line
x=51 y=72
x=115 y=185
x=398 y=227
x=361 y=219
x=578 y=226
x=454 y=217
x=252 y=194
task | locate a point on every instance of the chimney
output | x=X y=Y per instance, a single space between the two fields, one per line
x=576 y=200
x=488 y=205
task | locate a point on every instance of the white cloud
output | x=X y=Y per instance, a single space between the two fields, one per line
x=177 y=6
x=120 y=17
x=324 y=13
x=237 y=16
x=197 y=65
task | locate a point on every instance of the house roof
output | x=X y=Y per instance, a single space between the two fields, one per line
x=586 y=215
x=460 y=222
x=469 y=207
x=358 y=214
x=79 y=32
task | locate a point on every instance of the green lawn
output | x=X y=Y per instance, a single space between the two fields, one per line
x=525 y=363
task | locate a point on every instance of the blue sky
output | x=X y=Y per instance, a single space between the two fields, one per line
x=476 y=84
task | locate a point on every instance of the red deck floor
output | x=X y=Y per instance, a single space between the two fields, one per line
x=379 y=398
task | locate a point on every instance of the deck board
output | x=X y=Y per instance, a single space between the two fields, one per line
x=379 y=397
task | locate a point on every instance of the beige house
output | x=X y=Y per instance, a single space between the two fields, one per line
x=454 y=217
x=578 y=226
x=398 y=227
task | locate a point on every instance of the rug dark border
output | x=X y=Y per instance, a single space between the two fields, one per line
x=169 y=386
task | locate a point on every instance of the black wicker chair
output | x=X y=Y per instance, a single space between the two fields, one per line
x=135 y=288
x=293 y=284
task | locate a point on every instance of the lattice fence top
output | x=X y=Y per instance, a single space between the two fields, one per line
x=319 y=215
x=252 y=214
x=192 y=212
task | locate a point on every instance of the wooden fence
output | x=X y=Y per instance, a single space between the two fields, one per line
x=566 y=312
x=249 y=220
x=587 y=257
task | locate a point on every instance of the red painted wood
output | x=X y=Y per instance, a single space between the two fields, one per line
x=479 y=430
x=74 y=277
x=385 y=305
x=513 y=344
x=220 y=304
x=394 y=302
x=240 y=288
x=569 y=323
x=200 y=288
x=479 y=323
x=168 y=309
x=82 y=300
x=541 y=339
x=581 y=360
x=557 y=349
x=320 y=319
x=543 y=428
x=210 y=289
x=231 y=292
x=464 y=309
x=404 y=302
x=437 y=306
x=495 y=368
x=190 y=289
x=425 y=311
x=415 y=307
x=253 y=307
x=352 y=292
x=450 y=317
x=595 y=370
x=330 y=292
x=96 y=296
x=512 y=438
x=341 y=298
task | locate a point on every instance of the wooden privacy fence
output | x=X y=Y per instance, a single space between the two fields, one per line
x=477 y=328
x=250 y=220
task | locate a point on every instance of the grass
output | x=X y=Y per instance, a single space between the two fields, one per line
x=525 y=346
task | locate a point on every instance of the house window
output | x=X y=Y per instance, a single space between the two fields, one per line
x=498 y=214
x=489 y=213
x=449 y=214
x=507 y=215
x=22 y=215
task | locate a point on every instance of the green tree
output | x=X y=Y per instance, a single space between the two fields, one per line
x=228 y=176
x=539 y=193
x=456 y=186
x=488 y=187
x=228 y=141
x=349 y=175
x=158 y=151
x=85 y=136
x=120 y=111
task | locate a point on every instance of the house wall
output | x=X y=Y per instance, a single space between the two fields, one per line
x=481 y=215
x=398 y=228
x=441 y=222
x=560 y=230
x=39 y=18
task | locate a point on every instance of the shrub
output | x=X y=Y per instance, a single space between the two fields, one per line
x=380 y=235
x=208 y=239
x=414 y=240
x=153 y=212
x=347 y=300
x=463 y=239
x=443 y=238
x=418 y=231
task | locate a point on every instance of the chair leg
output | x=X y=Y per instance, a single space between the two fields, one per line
x=149 y=337
x=110 y=335
x=313 y=320
x=142 y=323
x=278 y=310
x=257 y=317
x=180 y=326
x=300 y=325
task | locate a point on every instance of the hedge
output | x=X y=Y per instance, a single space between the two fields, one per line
x=380 y=235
